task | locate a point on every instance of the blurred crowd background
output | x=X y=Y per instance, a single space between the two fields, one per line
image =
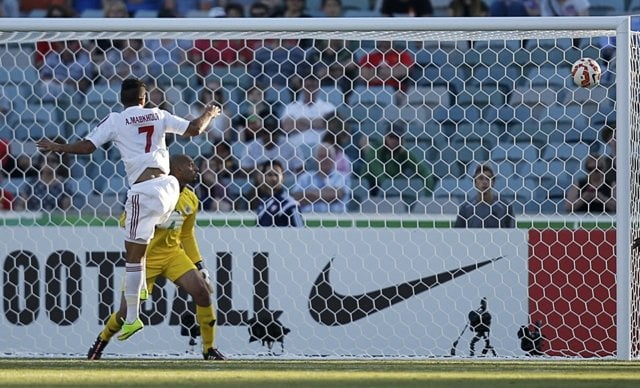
x=357 y=126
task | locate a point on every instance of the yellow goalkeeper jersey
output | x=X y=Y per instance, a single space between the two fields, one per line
x=178 y=232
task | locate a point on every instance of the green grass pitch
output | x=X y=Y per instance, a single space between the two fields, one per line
x=318 y=373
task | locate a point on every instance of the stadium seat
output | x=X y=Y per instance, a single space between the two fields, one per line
x=370 y=107
x=523 y=151
x=424 y=131
x=381 y=205
x=526 y=131
x=13 y=185
x=361 y=13
x=453 y=189
x=362 y=5
x=593 y=104
x=526 y=106
x=551 y=191
x=37 y=13
x=19 y=75
x=432 y=74
x=409 y=113
x=281 y=96
x=85 y=185
x=554 y=177
x=116 y=185
x=313 y=5
x=19 y=61
x=440 y=8
x=565 y=151
x=503 y=168
x=533 y=96
x=556 y=124
x=92 y=13
x=427 y=205
x=430 y=102
x=333 y=95
x=547 y=76
x=608 y=7
x=102 y=94
x=186 y=78
x=585 y=126
x=519 y=156
x=146 y=13
x=186 y=146
x=359 y=193
x=37 y=121
x=408 y=188
x=18 y=102
x=446 y=161
x=196 y=13
x=18 y=147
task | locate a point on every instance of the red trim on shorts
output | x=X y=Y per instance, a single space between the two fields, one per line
x=135 y=215
x=133 y=267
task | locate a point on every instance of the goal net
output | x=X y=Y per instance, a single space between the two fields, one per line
x=381 y=126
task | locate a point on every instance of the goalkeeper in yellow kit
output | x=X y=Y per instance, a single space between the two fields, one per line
x=173 y=253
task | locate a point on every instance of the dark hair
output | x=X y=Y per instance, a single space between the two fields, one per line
x=397 y=129
x=607 y=133
x=324 y=2
x=484 y=168
x=257 y=6
x=234 y=6
x=167 y=13
x=271 y=123
x=131 y=91
x=65 y=12
x=273 y=163
x=177 y=160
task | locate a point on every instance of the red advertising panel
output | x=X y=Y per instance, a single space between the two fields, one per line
x=572 y=290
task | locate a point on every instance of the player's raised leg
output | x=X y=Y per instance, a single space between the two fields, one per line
x=149 y=202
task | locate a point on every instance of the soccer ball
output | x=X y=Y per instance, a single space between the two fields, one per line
x=586 y=72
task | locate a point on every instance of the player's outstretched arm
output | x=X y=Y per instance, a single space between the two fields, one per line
x=200 y=124
x=79 y=147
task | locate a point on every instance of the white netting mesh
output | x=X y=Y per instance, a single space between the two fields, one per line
x=634 y=151
x=454 y=100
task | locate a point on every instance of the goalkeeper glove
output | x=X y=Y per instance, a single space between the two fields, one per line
x=174 y=221
x=205 y=275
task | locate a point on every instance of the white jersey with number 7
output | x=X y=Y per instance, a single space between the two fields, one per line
x=139 y=134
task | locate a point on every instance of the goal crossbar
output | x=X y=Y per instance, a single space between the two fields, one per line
x=343 y=28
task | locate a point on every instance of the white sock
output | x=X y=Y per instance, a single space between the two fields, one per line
x=133 y=279
x=143 y=262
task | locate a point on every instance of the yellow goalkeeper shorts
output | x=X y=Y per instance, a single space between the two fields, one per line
x=171 y=266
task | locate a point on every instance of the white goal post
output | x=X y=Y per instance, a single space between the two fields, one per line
x=387 y=275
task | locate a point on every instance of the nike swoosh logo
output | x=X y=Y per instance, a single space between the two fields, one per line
x=330 y=308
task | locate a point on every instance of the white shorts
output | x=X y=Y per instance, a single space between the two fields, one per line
x=149 y=203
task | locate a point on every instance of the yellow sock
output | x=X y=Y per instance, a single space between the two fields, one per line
x=207 y=321
x=111 y=328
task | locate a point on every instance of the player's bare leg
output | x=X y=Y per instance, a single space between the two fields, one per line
x=194 y=284
x=133 y=281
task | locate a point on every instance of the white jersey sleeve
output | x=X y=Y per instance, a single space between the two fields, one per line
x=102 y=133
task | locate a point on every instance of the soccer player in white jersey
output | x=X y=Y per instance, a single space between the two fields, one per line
x=139 y=134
